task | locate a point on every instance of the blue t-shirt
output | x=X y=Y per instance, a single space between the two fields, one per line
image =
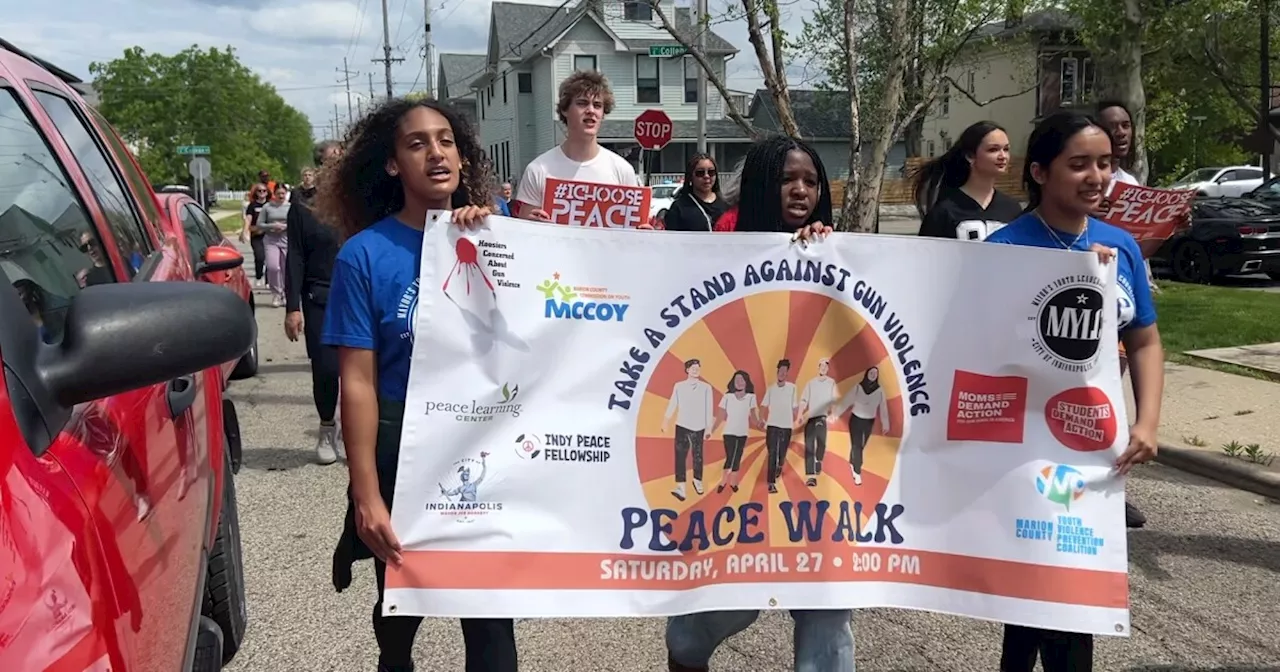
x=504 y=207
x=1136 y=308
x=373 y=299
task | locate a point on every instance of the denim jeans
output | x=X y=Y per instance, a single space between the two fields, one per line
x=823 y=639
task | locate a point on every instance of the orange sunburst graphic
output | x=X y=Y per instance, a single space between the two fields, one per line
x=751 y=335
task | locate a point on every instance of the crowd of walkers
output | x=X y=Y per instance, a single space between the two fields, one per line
x=341 y=253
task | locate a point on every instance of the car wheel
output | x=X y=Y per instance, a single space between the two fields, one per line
x=224 y=599
x=1191 y=263
x=247 y=367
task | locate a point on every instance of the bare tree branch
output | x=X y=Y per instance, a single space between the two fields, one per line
x=983 y=103
x=774 y=79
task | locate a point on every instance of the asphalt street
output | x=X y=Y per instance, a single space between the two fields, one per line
x=1204 y=574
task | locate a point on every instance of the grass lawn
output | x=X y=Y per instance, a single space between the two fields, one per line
x=229 y=221
x=1194 y=317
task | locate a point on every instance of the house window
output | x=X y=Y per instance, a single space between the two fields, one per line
x=491 y=89
x=690 y=80
x=506 y=161
x=482 y=104
x=504 y=88
x=637 y=10
x=524 y=82
x=584 y=62
x=932 y=149
x=972 y=84
x=1087 y=76
x=1068 y=85
x=944 y=99
x=647 y=90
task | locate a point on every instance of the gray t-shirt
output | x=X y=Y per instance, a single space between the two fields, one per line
x=272 y=219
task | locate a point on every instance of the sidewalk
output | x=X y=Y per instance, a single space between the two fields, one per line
x=1212 y=408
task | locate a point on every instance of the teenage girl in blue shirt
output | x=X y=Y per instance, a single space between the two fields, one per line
x=402 y=160
x=1068 y=167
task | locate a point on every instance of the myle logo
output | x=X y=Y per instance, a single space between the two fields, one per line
x=1069 y=320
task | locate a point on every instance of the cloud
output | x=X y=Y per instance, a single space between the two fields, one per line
x=322 y=22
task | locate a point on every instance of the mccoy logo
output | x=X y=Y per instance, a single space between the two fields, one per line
x=1060 y=484
x=987 y=408
x=1082 y=419
x=475 y=410
x=567 y=302
x=1069 y=318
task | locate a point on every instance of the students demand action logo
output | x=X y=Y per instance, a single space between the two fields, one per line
x=1069 y=319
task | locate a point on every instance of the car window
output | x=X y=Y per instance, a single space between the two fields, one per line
x=49 y=248
x=1227 y=176
x=112 y=196
x=132 y=173
x=666 y=191
x=200 y=230
x=1201 y=175
x=1244 y=174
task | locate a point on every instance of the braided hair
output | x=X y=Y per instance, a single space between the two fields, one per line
x=356 y=191
x=760 y=187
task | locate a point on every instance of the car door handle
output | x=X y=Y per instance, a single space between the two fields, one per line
x=181 y=394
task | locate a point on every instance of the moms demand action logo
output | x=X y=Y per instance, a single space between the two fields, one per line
x=1068 y=319
x=987 y=408
x=1082 y=419
x=563 y=301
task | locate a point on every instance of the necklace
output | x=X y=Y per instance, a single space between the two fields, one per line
x=1058 y=238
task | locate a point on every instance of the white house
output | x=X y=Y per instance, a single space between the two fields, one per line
x=532 y=48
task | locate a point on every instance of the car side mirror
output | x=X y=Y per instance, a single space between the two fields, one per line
x=219 y=258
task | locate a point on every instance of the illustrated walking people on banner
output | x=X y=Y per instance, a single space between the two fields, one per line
x=738 y=413
x=815 y=409
x=1068 y=168
x=956 y=193
x=402 y=160
x=865 y=402
x=780 y=405
x=692 y=406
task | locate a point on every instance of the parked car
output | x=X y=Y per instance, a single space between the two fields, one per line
x=1213 y=182
x=119 y=531
x=661 y=197
x=1267 y=191
x=187 y=221
x=1227 y=236
x=210 y=198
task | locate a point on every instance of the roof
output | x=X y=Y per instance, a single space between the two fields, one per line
x=819 y=114
x=717 y=129
x=512 y=22
x=1043 y=21
x=457 y=71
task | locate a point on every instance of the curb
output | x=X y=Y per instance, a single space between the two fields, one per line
x=1222 y=469
x=1262 y=374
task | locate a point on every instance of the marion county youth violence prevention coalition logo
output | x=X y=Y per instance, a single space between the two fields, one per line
x=1068 y=322
x=1060 y=484
x=775 y=419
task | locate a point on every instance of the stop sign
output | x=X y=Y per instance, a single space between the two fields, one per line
x=653 y=129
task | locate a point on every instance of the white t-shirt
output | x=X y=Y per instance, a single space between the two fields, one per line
x=818 y=395
x=781 y=402
x=868 y=406
x=606 y=168
x=1122 y=175
x=692 y=404
x=737 y=412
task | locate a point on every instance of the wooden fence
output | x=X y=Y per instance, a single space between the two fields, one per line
x=898 y=190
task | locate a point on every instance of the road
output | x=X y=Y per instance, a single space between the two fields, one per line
x=1205 y=575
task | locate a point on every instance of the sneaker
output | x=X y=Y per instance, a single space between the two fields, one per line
x=1133 y=517
x=697 y=485
x=857 y=477
x=277 y=302
x=678 y=491
x=327 y=444
x=812 y=482
x=773 y=488
x=339 y=445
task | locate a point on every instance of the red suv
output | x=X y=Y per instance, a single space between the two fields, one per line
x=119 y=536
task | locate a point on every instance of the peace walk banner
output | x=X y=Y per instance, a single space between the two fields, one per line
x=638 y=423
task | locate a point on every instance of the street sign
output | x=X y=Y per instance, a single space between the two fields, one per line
x=653 y=129
x=666 y=50
x=193 y=149
x=199 y=168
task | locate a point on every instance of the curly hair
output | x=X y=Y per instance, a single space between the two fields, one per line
x=583 y=82
x=356 y=191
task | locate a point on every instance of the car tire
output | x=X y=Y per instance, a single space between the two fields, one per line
x=224 y=597
x=247 y=367
x=1191 y=263
x=231 y=428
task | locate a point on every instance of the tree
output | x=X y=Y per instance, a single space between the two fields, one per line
x=201 y=97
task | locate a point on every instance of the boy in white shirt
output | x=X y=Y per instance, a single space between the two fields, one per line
x=780 y=400
x=815 y=405
x=692 y=405
x=584 y=100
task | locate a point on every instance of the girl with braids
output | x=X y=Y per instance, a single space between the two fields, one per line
x=401 y=160
x=956 y=193
x=783 y=189
x=1068 y=168
x=697 y=204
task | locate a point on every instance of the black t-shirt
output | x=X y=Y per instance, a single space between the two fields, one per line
x=957 y=215
x=251 y=210
x=690 y=213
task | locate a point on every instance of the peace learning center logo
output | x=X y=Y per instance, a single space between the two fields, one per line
x=787 y=399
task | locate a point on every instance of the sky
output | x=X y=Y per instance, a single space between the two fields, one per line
x=299 y=45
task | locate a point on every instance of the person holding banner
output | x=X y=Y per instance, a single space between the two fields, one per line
x=402 y=160
x=585 y=99
x=783 y=189
x=697 y=204
x=956 y=193
x=1068 y=168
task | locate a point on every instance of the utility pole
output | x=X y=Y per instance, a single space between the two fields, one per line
x=701 y=13
x=386 y=59
x=426 y=49
x=346 y=79
x=337 y=122
x=372 y=97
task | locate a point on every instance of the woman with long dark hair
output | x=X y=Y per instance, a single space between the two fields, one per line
x=697 y=204
x=401 y=160
x=866 y=402
x=738 y=412
x=784 y=188
x=1068 y=168
x=956 y=193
